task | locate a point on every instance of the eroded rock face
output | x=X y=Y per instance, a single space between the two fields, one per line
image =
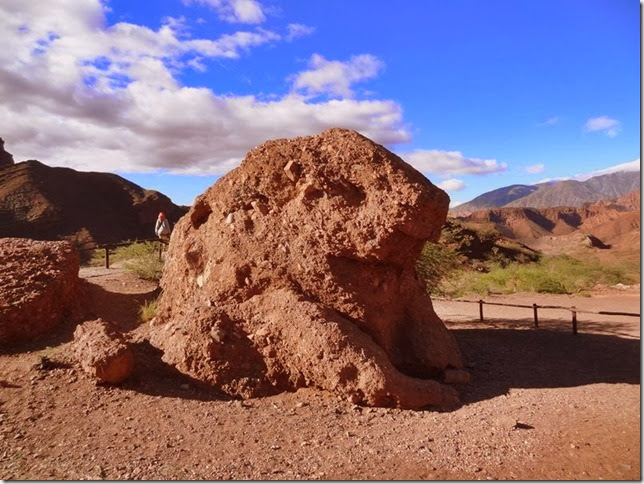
x=297 y=269
x=102 y=351
x=38 y=286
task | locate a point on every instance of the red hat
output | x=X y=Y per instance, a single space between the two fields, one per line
x=161 y=215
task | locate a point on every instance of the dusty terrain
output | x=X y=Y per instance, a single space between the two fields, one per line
x=543 y=404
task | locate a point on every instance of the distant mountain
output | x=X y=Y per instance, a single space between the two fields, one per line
x=572 y=193
x=41 y=202
x=566 y=193
x=497 y=198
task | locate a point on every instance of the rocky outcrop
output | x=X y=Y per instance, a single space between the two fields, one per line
x=298 y=269
x=38 y=286
x=51 y=203
x=102 y=351
x=6 y=159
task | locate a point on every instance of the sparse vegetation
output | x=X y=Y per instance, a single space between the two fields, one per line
x=142 y=258
x=554 y=275
x=470 y=261
x=148 y=310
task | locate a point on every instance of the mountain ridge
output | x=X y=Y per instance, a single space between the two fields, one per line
x=565 y=193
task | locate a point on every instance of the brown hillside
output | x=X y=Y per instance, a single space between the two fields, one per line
x=46 y=203
x=611 y=221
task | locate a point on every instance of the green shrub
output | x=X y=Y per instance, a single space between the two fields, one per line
x=554 y=275
x=436 y=263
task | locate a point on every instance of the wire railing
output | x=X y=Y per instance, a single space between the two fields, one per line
x=535 y=308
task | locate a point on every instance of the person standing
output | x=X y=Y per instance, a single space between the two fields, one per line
x=162 y=228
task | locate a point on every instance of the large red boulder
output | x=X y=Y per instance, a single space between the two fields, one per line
x=298 y=269
x=38 y=286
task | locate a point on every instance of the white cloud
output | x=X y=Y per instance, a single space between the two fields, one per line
x=235 y=11
x=628 y=166
x=551 y=121
x=634 y=165
x=451 y=163
x=335 y=77
x=79 y=93
x=298 y=30
x=452 y=185
x=538 y=168
x=609 y=126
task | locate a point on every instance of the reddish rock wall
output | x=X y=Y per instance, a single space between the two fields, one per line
x=38 y=286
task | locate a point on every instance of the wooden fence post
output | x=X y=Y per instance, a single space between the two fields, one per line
x=160 y=249
x=536 y=317
x=574 y=320
x=107 y=257
x=481 y=309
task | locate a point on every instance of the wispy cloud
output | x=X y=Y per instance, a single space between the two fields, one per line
x=550 y=121
x=451 y=163
x=609 y=126
x=235 y=11
x=452 y=185
x=335 y=78
x=538 y=168
x=634 y=165
x=298 y=30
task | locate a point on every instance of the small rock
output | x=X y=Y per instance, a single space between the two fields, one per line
x=452 y=375
x=291 y=170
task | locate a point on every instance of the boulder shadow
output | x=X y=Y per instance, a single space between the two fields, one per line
x=152 y=376
x=115 y=307
x=505 y=355
x=93 y=302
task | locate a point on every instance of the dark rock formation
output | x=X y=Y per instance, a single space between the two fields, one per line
x=6 y=159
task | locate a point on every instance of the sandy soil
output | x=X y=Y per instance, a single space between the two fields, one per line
x=542 y=404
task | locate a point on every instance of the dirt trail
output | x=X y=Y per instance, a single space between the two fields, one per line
x=543 y=404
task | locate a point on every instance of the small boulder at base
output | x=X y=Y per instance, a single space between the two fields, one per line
x=102 y=351
x=38 y=286
x=297 y=269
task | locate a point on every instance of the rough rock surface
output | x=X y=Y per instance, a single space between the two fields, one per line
x=298 y=269
x=102 y=351
x=38 y=286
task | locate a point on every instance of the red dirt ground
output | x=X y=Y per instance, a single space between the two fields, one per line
x=542 y=404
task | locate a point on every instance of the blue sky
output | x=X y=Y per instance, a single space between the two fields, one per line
x=171 y=94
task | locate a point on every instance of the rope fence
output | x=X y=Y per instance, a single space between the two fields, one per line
x=535 y=308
